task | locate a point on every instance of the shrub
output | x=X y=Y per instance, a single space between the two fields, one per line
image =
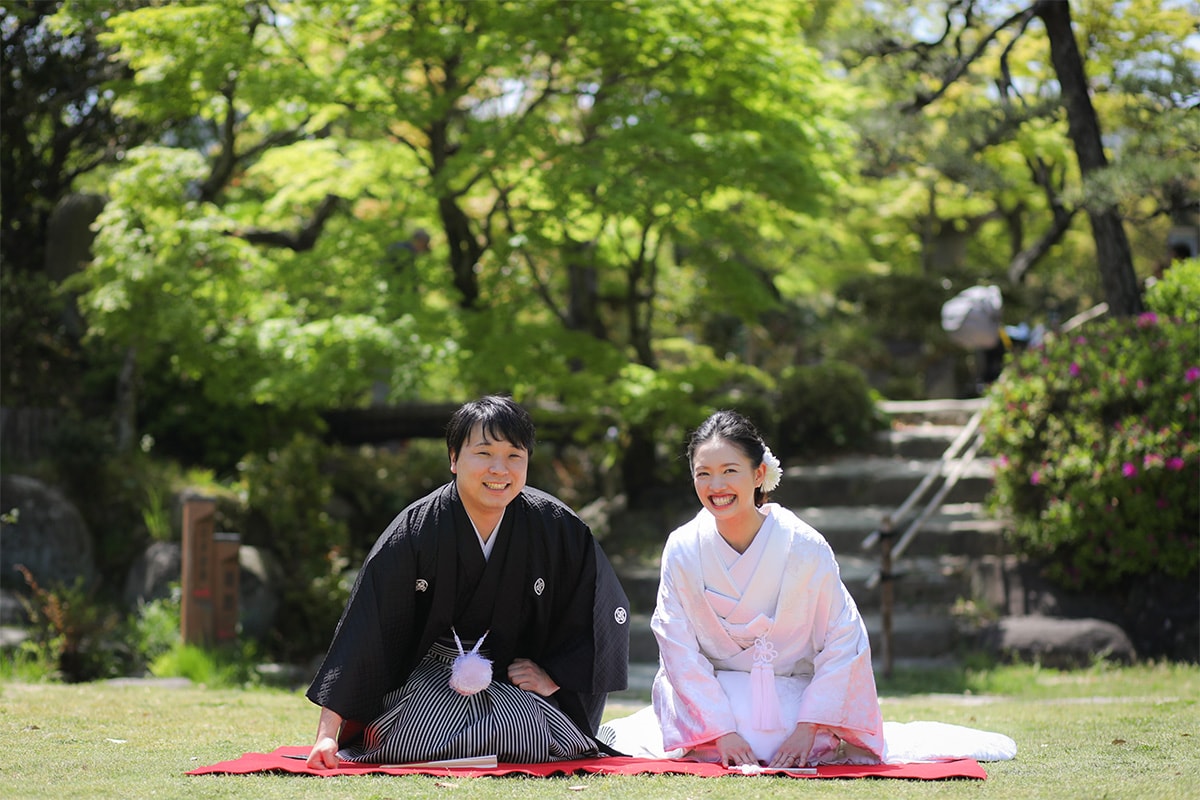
x=154 y=628
x=70 y=630
x=371 y=485
x=230 y=666
x=1177 y=295
x=287 y=493
x=825 y=408
x=1098 y=460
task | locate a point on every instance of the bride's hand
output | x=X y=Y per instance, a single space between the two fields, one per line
x=734 y=750
x=796 y=749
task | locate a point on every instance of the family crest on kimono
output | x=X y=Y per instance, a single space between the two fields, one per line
x=763 y=656
x=485 y=621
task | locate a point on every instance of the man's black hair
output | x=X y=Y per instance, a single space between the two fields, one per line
x=501 y=419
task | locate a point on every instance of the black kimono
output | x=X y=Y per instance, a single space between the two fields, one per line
x=547 y=593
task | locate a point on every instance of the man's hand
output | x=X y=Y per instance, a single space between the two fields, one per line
x=323 y=754
x=524 y=674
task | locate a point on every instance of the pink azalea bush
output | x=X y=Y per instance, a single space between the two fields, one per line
x=1098 y=459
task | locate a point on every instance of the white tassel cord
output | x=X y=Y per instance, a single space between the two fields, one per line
x=471 y=672
x=762 y=687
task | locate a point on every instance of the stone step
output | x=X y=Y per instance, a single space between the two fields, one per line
x=642 y=646
x=928 y=583
x=953 y=529
x=914 y=441
x=875 y=480
x=939 y=411
x=641 y=586
x=914 y=635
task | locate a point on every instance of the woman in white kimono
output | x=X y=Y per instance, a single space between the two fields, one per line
x=764 y=657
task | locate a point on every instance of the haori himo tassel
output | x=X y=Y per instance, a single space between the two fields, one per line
x=471 y=672
x=763 y=697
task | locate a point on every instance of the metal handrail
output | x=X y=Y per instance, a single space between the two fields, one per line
x=968 y=437
x=935 y=502
x=889 y=551
x=951 y=453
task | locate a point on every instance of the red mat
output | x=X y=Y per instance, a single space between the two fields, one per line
x=278 y=761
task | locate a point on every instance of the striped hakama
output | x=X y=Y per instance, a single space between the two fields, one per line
x=427 y=720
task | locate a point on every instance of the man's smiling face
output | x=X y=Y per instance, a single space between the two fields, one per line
x=489 y=474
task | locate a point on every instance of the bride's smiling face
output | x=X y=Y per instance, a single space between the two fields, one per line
x=725 y=479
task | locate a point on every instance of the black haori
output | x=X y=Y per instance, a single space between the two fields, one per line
x=427 y=720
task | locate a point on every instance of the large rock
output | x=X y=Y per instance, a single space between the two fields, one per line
x=1159 y=612
x=259 y=578
x=153 y=572
x=1058 y=643
x=258 y=590
x=12 y=609
x=49 y=536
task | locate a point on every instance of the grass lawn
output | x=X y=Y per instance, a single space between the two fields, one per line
x=1098 y=733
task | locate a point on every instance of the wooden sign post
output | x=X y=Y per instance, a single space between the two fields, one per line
x=209 y=613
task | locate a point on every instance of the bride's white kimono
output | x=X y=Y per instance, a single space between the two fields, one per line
x=760 y=641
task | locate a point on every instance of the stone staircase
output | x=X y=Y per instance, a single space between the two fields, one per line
x=952 y=558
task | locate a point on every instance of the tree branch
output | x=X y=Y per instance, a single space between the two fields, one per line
x=223 y=167
x=1024 y=261
x=302 y=240
x=1026 y=258
x=961 y=65
x=1005 y=84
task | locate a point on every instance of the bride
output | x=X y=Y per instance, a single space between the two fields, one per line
x=763 y=655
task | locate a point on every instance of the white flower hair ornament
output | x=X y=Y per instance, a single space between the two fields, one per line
x=471 y=672
x=774 y=471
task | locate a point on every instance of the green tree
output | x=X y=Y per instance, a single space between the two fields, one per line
x=58 y=128
x=595 y=174
x=989 y=107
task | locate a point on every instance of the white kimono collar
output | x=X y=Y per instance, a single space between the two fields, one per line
x=743 y=594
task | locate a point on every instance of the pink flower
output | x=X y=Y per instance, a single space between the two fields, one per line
x=1074 y=370
x=1175 y=463
x=1036 y=477
x=1128 y=469
x=1192 y=374
x=1147 y=319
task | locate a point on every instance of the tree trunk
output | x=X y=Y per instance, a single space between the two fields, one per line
x=125 y=411
x=1121 y=288
x=464 y=251
x=639 y=465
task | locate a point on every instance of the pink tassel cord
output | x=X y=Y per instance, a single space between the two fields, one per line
x=765 y=701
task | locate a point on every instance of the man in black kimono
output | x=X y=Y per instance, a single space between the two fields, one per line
x=483 y=557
